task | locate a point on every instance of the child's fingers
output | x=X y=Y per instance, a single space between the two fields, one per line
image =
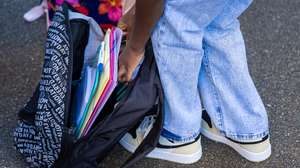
x=123 y=75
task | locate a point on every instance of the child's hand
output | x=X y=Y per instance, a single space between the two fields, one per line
x=147 y=14
x=128 y=61
x=126 y=22
x=129 y=58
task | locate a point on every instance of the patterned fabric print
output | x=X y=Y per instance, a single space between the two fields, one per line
x=106 y=13
x=40 y=142
x=112 y=8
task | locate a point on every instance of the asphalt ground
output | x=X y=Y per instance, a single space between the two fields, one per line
x=272 y=35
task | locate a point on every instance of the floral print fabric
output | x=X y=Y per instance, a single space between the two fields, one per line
x=106 y=13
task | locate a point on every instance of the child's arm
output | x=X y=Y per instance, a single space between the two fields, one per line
x=147 y=14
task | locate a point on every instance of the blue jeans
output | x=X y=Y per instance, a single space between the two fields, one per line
x=201 y=58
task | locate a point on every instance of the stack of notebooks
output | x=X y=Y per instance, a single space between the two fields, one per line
x=97 y=83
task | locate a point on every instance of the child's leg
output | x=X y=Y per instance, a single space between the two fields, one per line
x=177 y=42
x=226 y=88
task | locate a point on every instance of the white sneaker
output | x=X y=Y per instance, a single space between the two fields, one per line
x=184 y=153
x=255 y=152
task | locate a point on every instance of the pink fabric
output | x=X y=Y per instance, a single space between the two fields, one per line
x=115 y=14
x=36 y=12
x=72 y=2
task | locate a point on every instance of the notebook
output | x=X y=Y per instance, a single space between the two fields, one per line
x=83 y=93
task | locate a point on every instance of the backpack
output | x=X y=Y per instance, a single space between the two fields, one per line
x=44 y=135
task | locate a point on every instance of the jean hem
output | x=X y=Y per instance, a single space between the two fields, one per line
x=246 y=137
x=171 y=136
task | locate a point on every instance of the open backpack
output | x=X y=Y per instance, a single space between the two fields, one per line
x=45 y=132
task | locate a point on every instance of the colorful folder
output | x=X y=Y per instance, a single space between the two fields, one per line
x=115 y=43
x=105 y=81
x=94 y=86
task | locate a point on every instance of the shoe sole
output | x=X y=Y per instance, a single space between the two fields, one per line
x=165 y=154
x=251 y=156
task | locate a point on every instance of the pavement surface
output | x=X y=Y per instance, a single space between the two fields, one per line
x=272 y=35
